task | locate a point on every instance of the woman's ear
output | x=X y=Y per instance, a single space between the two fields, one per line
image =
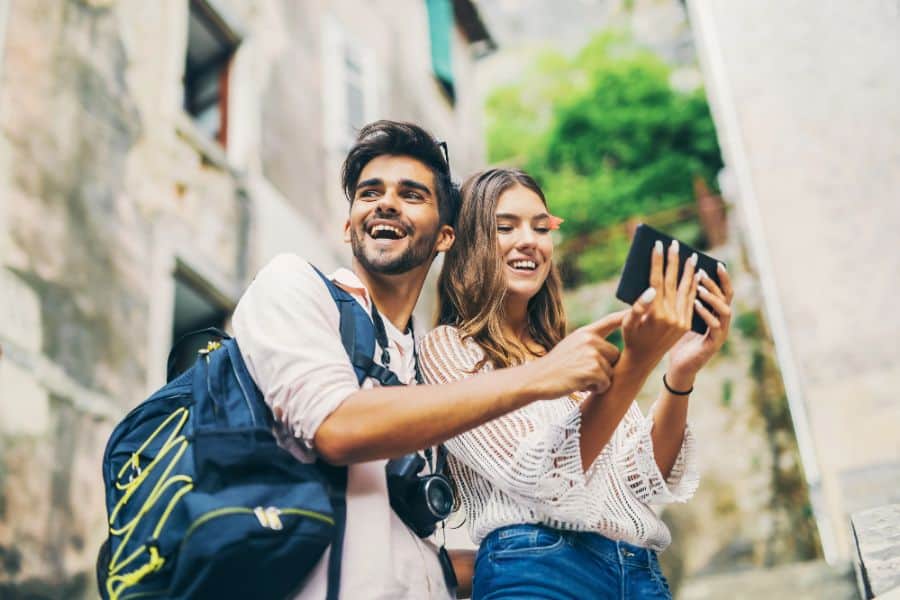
x=446 y=237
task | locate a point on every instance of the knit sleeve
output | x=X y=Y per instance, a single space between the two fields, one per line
x=532 y=454
x=634 y=459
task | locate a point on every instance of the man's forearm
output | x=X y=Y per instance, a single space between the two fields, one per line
x=602 y=413
x=387 y=422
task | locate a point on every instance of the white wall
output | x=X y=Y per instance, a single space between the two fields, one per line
x=805 y=98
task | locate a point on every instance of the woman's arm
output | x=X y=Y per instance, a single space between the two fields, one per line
x=687 y=357
x=659 y=318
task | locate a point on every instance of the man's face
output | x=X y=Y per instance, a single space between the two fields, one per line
x=394 y=224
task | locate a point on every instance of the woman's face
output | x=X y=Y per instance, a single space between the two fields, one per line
x=523 y=240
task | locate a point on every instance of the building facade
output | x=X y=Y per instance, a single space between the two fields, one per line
x=804 y=96
x=153 y=155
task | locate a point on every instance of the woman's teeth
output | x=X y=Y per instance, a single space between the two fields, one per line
x=523 y=264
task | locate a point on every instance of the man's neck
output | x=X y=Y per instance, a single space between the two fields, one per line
x=395 y=296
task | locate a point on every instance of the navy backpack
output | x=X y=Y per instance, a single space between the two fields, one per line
x=202 y=502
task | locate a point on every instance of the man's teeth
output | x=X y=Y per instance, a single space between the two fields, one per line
x=378 y=228
x=523 y=264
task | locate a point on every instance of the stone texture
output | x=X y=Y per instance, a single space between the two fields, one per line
x=876 y=534
x=108 y=188
x=802 y=581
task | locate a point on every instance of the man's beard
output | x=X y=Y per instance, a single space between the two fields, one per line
x=379 y=261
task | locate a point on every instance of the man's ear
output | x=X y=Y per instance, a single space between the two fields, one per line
x=347 y=231
x=445 y=239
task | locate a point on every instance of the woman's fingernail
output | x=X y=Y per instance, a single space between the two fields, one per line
x=702 y=289
x=721 y=267
x=702 y=274
x=698 y=304
x=658 y=247
x=693 y=259
x=674 y=246
x=648 y=295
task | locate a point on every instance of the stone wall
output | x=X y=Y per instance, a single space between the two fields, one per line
x=108 y=188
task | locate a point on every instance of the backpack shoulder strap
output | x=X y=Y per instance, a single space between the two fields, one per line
x=358 y=335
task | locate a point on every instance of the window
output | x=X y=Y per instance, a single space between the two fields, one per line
x=197 y=306
x=440 y=27
x=211 y=46
x=349 y=93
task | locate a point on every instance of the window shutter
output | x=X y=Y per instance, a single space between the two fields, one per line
x=440 y=25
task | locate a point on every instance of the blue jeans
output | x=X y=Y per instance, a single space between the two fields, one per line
x=533 y=561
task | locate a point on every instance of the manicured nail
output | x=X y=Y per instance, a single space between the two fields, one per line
x=698 y=304
x=721 y=267
x=702 y=274
x=648 y=296
x=693 y=259
x=702 y=289
x=674 y=246
x=657 y=247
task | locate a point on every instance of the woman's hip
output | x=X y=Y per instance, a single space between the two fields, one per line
x=535 y=561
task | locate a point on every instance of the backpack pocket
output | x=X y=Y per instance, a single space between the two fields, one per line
x=251 y=541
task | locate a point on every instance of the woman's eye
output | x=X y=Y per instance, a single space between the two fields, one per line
x=542 y=229
x=504 y=228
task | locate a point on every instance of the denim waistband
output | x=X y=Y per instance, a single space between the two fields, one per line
x=594 y=543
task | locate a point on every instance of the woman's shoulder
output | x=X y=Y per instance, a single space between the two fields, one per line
x=447 y=339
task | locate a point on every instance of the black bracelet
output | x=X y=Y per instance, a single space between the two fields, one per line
x=676 y=392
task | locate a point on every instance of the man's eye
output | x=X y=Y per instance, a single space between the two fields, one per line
x=368 y=194
x=414 y=195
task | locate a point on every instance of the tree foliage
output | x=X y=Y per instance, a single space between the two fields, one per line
x=604 y=133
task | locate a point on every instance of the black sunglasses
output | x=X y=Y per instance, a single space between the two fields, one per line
x=443 y=147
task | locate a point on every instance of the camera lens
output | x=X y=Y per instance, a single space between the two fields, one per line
x=439 y=497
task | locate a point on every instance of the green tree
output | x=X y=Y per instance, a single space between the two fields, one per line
x=606 y=135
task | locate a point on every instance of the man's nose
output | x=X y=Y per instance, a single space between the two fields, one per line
x=388 y=202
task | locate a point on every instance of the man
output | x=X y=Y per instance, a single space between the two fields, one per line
x=402 y=208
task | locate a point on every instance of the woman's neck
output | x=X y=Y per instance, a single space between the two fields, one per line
x=515 y=322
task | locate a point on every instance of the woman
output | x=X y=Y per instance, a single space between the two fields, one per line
x=558 y=494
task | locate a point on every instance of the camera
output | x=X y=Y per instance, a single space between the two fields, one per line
x=421 y=501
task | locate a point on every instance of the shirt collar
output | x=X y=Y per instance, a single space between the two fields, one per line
x=348 y=280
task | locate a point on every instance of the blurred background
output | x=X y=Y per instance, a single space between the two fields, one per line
x=154 y=155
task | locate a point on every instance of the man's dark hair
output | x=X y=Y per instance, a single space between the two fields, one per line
x=402 y=139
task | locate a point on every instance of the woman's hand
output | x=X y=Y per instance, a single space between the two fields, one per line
x=662 y=315
x=694 y=350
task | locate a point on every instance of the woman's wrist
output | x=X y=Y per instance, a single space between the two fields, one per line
x=680 y=380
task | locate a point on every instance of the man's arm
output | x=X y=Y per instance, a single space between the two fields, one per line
x=464 y=567
x=386 y=422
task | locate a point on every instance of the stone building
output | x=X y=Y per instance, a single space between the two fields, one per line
x=153 y=155
x=805 y=100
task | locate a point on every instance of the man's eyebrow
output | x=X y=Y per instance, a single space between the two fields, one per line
x=373 y=181
x=412 y=183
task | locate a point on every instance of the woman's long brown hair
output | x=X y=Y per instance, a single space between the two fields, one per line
x=472 y=285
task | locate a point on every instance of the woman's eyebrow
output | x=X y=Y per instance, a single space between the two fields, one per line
x=517 y=217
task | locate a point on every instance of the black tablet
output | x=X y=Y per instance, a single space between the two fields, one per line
x=636 y=272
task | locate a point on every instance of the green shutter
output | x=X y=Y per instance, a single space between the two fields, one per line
x=440 y=24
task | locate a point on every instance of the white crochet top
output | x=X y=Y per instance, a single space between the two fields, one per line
x=525 y=467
